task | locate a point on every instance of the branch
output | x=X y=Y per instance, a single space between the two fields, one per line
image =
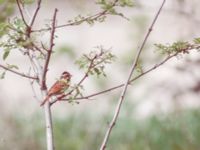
x=181 y=51
x=121 y=99
x=49 y=52
x=121 y=85
x=29 y=27
x=130 y=82
x=49 y=127
x=21 y=13
x=47 y=109
x=92 y=17
x=35 y=13
x=18 y=73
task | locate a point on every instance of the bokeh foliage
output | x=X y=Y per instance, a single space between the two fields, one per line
x=174 y=131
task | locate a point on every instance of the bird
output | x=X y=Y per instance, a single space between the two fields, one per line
x=58 y=87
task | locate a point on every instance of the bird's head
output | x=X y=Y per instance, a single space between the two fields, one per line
x=66 y=76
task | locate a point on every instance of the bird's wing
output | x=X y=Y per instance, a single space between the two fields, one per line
x=57 y=88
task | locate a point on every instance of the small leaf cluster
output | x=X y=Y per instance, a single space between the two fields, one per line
x=109 y=6
x=88 y=19
x=177 y=47
x=126 y=3
x=72 y=92
x=75 y=91
x=94 y=62
x=13 y=36
x=196 y=40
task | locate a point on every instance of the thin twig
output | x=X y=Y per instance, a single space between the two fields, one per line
x=92 y=17
x=29 y=28
x=35 y=13
x=121 y=99
x=31 y=58
x=21 y=13
x=18 y=73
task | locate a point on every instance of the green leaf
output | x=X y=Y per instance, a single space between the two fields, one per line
x=197 y=40
x=128 y=3
x=19 y=24
x=96 y=70
x=175 y=47
x=12 y=66
x=95 y=61
x=3 y=27
x=2 y=76
x=6 y=53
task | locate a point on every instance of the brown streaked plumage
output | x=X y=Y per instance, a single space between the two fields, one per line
x=58 y=87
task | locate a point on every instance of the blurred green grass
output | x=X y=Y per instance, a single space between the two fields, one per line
x=173 y=131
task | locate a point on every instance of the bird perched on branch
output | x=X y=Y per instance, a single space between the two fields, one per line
x=58 y=87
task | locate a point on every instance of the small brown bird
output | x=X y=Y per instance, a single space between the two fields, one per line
x=58 y=87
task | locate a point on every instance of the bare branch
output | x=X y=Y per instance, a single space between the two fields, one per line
x=49 y=52
x=18 y=73
x=35 y=13
x=121 y=99
x=21 y=13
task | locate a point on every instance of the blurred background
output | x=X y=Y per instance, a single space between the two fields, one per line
x=161 y=109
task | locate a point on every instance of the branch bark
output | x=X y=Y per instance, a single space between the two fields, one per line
x=123 y=93
x=18 y=73
x=47 y=109
x=49 y=51
x=21 y=12
x=35 y=13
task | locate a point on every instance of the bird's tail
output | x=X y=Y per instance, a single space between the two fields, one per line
x=45 y=100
